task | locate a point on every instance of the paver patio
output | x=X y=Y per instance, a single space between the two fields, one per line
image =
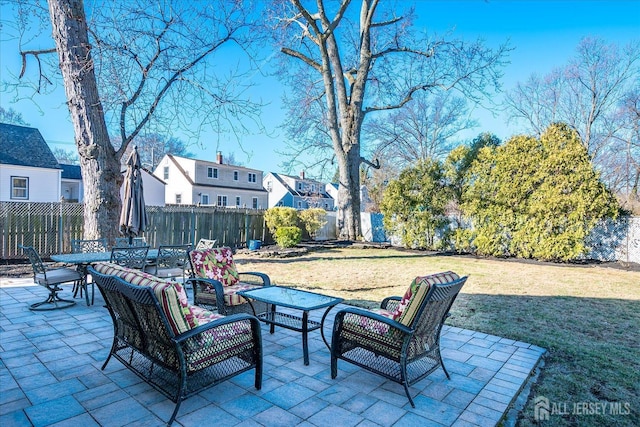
x=50 y=375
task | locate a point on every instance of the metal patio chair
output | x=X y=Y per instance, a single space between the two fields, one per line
x=171 y=262
x=52 y=279
x=206 y=244
x=130 y=256
x=86 y=246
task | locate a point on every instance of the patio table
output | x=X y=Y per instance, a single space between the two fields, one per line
x=295 y=299
x=83 y=259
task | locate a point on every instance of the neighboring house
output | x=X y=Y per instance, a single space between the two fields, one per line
x=192 y=182
x=29 y=172
x=297 y=192
x=71 y=187
x=153 y=188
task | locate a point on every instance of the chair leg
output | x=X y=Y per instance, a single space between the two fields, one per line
x=442 y=362
x=403 y=376
x=53 y=301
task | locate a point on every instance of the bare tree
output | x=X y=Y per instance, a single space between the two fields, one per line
x=67 y=157
x=585 y=94
x=362 y=61
x=140 y=65
x=425 y=128
x=11 y=116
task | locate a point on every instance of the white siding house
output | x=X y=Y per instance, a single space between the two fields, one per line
x=193 y=182
x=297 y=192
x=29 y=172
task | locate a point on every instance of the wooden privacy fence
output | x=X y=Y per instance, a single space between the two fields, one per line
x=50 y=227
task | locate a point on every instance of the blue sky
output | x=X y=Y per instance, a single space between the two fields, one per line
x=544 y=34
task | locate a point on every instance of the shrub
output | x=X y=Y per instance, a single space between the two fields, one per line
x=288 y=237
x=279 y=216
x=313 y=220
x=536 y=197
x=414 y=204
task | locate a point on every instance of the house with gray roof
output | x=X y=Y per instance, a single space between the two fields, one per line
x=29 y=172
x=207 y=183
x=297 y=192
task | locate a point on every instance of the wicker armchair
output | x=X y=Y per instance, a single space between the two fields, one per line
x=216 y=281
x=153 y=338
x=400 y=341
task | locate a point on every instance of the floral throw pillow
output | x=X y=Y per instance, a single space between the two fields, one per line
x=215 y=263
x=412 y=300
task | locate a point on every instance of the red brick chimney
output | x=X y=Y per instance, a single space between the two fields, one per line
x=301 y=174
x=219 y=157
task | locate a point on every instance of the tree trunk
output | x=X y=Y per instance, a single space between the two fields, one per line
x=99 y=164
x=349 y=161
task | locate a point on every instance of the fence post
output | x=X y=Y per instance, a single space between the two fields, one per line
x=194 y=226
x=60 y=229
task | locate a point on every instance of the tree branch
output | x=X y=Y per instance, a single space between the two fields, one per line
x=375 y=165
x=408 y=97
x=36 y=54
x=304 y=58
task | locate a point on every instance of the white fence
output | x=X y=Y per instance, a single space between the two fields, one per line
x=612 y=241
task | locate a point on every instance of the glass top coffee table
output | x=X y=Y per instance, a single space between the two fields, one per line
x=292 y=298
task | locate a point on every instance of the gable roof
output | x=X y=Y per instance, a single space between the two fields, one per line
x=321 y=192
x=24 y=146
x=71 y=171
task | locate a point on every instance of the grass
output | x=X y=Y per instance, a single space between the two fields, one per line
x=587 y=317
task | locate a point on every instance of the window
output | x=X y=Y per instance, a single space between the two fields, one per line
x=313 y=188
x=212 y=172
x=19 y=187
x=222 y=200
x=178 y=199
x=204 y=199
x=254 y=203
x=252 y=177
x=165 y=172
x=237 y=201
x=299 y=205
x=299 y=186
x=235 y=175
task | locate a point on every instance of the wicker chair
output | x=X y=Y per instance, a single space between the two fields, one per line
x=84 y=246
x=52 y=279
x=130 y=256
x=401 y=341
x=171 y=261
x=215 y=281
x=177 y=363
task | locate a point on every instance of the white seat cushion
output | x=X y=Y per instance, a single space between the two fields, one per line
x=58 y=275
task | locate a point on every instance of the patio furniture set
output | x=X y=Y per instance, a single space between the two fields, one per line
x=181 y=348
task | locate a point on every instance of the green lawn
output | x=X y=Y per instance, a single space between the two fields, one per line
x=587 y=317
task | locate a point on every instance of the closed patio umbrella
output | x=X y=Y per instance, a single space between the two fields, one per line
x=133 y=217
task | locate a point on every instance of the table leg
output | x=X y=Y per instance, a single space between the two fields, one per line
x=305 y=333
x=272 y=329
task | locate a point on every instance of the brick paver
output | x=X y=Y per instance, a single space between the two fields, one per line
x=50 y=373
